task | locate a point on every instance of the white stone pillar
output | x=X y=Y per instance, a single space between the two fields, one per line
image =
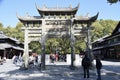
x=72 y=40
x=26 y=50
x=43 y=38
x=88 y=43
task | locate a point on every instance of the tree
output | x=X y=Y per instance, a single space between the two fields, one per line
x=8 y=31
x=103 y=28
x=18 y=26
x=1 y=27
x=51 y=45
x=80 y=46
x=20 y=33
x=97 y=31
x=113 y=1
x=35 y=46
x=64 y=44
x=14 y=32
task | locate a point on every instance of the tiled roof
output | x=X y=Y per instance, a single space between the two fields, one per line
x=54 y=9
x=29 y=18
x=2 y=35
x=6 y=45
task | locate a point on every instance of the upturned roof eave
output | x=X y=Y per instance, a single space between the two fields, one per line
x=87 y=19
x=116 y=28
x=28 y=19
x=23 y=20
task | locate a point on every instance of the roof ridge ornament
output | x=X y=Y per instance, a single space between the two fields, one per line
x=27 y=14
x=70 y=6
x=18 y=16
x=44 y=6
x=57 y=6
x=78 y=5
x=37 y=7
x=87 y=15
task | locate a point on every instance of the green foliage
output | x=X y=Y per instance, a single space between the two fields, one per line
x=64 y=44
x=51 y=45
x=103 y=28
x=14 y=32
x=80 y=46
x=61 y=44
x=113 y=1
x=97 y=32
x=20 y=33
x=18 y=26
x=35 y=46
x=1 y=27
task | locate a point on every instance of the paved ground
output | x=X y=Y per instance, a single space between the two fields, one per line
x=56 y=71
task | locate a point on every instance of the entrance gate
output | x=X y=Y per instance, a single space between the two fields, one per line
x=56 y=22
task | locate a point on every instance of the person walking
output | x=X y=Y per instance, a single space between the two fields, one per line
x=86 y=65
x=98 y=67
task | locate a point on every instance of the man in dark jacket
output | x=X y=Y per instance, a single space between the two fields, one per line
x=98 y=67
x=86 y=65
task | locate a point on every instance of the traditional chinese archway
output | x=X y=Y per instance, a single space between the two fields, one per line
x=56 y=22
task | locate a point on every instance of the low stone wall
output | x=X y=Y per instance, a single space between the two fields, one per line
x=68 y=58
x=77 y=59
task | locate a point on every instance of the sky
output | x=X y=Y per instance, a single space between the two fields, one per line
x=9 y=9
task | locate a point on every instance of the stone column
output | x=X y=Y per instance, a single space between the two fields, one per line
x=88 y=43
x=26 y=50
x=4 y=55
x=43 y=38
x=43 y=52
x=72 y=41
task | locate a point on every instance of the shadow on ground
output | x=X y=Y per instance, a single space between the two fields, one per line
x=52 y=72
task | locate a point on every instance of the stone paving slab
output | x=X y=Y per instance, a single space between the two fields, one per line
x=56 y=71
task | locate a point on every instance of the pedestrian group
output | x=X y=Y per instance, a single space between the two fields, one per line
x=86 y=64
